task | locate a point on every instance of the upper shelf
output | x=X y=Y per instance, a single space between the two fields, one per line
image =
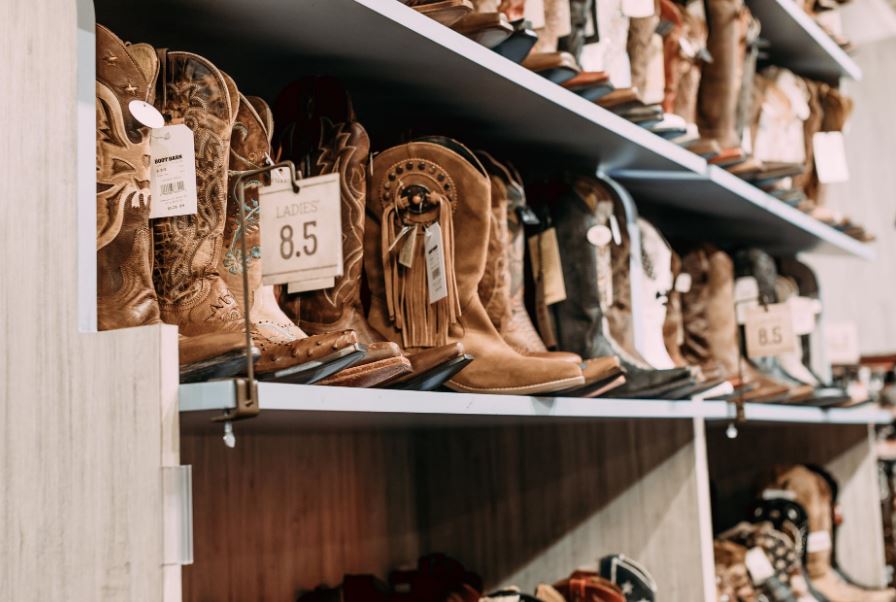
x=303 y=407
x=406 y=68
x=799 y=44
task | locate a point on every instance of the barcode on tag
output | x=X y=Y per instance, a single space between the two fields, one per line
x=173 y=187
x=173 y=176
x=435 y=263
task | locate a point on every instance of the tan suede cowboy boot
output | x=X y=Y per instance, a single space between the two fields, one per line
x=283 y=345
x=125 y=293
x=415 y=187
x=318 y=125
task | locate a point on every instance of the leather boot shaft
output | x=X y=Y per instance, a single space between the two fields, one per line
x=188 y=248
x=721 y=79
x=126 y=296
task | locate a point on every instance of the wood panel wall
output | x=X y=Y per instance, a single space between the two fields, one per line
x=519 y=504
x=80 y=414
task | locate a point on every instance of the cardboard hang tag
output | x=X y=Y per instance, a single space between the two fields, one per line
x=301 y=232
x=173 y=174
x=759 y=566
x=804 y=310
x=769 y=330
x=842 y=340
x=746 y=296
x=818 y=541
x=830 y=157
x=545 y=254
x=638 y=8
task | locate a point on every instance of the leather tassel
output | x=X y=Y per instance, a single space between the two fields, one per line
x=421 y=323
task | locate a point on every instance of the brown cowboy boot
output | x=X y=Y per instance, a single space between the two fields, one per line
x=318 y=125
x=814 y=494
x=710 y=323
x=720 y=81
x=285 y=349
x=125 y=293
x=416 y=186
x=494 y=288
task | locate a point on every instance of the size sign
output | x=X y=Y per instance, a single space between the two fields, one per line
x=173 y=176
x=769 y=330
x=301 y=232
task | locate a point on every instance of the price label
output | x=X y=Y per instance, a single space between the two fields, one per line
x=301 y=232
x=545 y=254
x=830 y=157
x=842 y=343
x=638 y=8
x=818 y=541
x=759 y=566
x=173 y=177
x=804 y=311
x=769 y=330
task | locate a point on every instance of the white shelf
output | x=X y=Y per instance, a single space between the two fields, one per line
x=734 y=211
x=799 y=44
x=292 y=407
x=404 y=66
x=715 y=411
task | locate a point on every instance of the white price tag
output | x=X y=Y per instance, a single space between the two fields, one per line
x=146 y=114
x=638 y=8
x=759 y=566
x=769 y=330
x=599 y=236
x=314 y=284
x=683 y=283
x=804 y=310
x=301 y=233
x=746 y=295
x=818 y=541
x=830 y=157
x=842 y=343
x=534 y=12
x=435 y=263
x=173 y=177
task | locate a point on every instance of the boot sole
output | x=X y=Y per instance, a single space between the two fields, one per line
x=311 y=372
x=546 y=388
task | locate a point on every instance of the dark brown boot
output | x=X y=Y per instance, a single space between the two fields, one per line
x=720 y=81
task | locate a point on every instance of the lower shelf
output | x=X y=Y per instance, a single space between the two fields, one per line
x=287 y=407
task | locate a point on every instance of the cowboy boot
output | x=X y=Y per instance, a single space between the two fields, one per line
x=125 y=293
x=671 y=13
x=692 y=54
x=318 y=125
x=581 y=322
x=494 y=288
x=720 y=81
x=710 y=323
x=673 y=325
x=761 y=266
x=814 y=494
x=285 y=349
x=416 y=188
x=640 y=47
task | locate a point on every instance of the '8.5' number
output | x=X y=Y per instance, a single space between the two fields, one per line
x=288 y=247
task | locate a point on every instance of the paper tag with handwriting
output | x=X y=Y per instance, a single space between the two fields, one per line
x=301 y=232
x=769 y=330
x=173 y=177
x=830 y=157
x=435 y=262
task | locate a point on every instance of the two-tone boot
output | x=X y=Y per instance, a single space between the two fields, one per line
x=814 y=494
x=287 y=353
x=126 y=296
x=318 y=129
x=421 y=192
x=581 y=217
x=495 y=289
